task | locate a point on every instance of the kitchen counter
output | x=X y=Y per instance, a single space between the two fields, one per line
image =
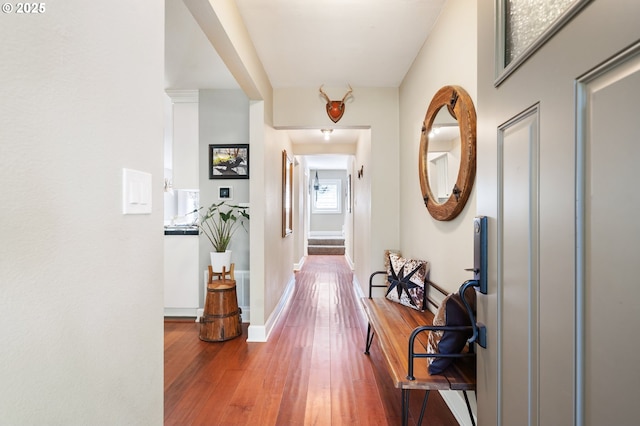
x=181 y=230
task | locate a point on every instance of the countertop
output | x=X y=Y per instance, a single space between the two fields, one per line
x=181 y=230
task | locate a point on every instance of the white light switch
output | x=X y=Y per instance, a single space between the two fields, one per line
x=136 y=192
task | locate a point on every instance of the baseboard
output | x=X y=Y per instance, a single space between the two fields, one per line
x=298 y=266
x=455 y=402
x=352 y=265
x=325 y=234
x=260 y=333
x=180 y=312
x=356 y=288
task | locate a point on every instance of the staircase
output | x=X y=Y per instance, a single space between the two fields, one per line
x=331 y=245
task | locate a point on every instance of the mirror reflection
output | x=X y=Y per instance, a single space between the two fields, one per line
x=443 y=155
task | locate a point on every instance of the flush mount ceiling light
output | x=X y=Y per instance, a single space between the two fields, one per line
x=326 y=133
x=434 y=131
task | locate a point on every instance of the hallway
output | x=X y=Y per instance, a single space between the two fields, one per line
x=311 y=371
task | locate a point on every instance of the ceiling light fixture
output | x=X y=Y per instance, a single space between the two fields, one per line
x=326 y=133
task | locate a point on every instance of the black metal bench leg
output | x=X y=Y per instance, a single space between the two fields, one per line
x=370 y=335
x=424 y=406
x=466 y=399
x=405 y=407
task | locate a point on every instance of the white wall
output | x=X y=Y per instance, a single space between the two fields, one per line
x=223 y=119
x=447 y=58
x=278 y=251
x=80 y=283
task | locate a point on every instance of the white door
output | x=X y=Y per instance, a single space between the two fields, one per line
x=558 y=158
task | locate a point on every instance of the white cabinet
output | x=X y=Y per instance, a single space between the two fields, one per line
x=181 y=277
x=185 y=138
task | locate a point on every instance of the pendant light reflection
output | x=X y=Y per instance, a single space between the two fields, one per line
x=326 y=133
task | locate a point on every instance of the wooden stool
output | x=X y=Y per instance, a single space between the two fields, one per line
x=221 y=319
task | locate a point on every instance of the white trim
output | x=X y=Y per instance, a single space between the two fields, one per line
x=356 y=287
x=181 y=312
x=455 y=402
x=319 y=234
x=298 y=266
x=260 y=333
x=183 y=96
x=352 y=265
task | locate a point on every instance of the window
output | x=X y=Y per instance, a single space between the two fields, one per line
x=326 y=199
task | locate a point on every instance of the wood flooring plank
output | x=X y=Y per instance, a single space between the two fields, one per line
x=311 y=371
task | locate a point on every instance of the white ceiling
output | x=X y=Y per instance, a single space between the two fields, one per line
x=306 y=43
x=367 y=43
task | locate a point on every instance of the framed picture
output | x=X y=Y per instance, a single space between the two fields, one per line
x=348 y=195
x=287 y=195
x=229 y=161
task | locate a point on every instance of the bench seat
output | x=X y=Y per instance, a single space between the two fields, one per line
x=393 y=325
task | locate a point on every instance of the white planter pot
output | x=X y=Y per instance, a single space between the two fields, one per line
x=218 y=260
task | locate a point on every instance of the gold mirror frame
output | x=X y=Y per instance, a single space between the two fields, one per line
x=460 y=105
x=287 y=195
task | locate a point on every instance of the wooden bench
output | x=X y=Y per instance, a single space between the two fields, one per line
x=402 y=335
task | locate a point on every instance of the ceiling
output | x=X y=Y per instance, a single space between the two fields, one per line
x=306 y=43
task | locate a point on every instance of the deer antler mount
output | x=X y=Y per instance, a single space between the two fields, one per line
x=335 y=109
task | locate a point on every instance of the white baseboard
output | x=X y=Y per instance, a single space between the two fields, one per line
x=298 y=266
x=180 y=312
x=349 y=261
x=260 y=333
x=325 y=234
x=356 y=288
x=455 y=401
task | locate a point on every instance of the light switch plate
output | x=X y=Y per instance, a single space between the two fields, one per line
x=136 y=192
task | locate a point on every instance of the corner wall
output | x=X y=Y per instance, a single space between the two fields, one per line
x=223 y=119
x=81 y=284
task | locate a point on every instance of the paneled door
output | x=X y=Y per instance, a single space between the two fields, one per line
x=558 y=161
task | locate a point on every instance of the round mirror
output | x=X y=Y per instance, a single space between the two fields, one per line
x=447 y=159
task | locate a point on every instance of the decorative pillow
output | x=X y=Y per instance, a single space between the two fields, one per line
x=407 y=279
x=451 y=312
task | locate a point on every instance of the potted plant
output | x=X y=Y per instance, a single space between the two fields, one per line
x=219 y=222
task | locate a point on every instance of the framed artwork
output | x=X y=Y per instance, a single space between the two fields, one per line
x=349 y=197
x=229 y=161
x=287 y=194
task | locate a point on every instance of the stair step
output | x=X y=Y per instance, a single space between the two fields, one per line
x=325 y=241
x=325 y=249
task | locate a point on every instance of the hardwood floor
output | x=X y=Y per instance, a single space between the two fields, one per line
x=312 y=371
